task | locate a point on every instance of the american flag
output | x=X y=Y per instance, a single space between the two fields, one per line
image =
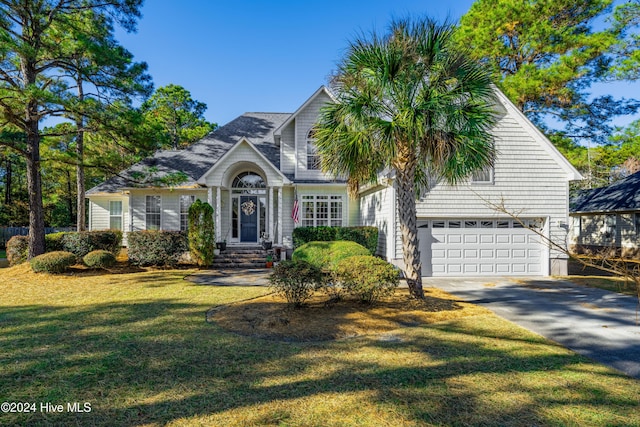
x=295 y=212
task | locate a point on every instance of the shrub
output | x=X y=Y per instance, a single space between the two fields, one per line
x=99 y=259
x=366 y=236
x=366 y=277
x=53 y=241
x=17 y=250
x=295 y=280
x=302 y=235
x=53 y=262
x=201 y=233
x=325 y=255
x=156 y=247
x=81 y=243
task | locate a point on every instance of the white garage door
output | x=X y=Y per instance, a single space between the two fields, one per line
x=480 y=247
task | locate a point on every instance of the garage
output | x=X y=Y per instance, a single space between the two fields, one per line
x=481 y=247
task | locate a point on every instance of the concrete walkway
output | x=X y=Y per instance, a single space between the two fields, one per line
x=601 y=325
x=231 y=277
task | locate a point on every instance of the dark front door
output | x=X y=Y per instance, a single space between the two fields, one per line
x=248 y=218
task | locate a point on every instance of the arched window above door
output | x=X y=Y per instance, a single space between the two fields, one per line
x=248 y=180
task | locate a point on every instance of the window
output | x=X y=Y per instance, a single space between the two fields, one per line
x=609 y=227
x=185 y=203
x=313 y=159
x=483 y=176
x=152 y=213
x=248 y=181
x=321 y=210
x=115 y=215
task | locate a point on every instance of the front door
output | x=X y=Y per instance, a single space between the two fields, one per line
x=248 y=218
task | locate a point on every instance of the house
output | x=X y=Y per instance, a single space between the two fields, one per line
x=608 y=217
x=254 y=168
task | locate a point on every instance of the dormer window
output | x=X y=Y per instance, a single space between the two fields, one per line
x=313 y=159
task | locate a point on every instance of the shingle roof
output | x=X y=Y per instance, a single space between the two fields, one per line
x=620 y=196
x=197 y=159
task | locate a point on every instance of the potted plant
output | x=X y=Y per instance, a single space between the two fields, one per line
x=266 y=243
x=269 y=261
x=221 y=245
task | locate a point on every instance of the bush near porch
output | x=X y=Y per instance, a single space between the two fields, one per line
x=366 y=236
x=159 y=248
x=325 y=255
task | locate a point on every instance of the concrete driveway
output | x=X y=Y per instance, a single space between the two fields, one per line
x=601 y=325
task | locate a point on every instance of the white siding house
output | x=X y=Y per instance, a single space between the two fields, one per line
x=253 y=169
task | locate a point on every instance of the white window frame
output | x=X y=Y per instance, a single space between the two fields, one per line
x=313 y=159
x=483 y=176
x=312 y=213
x=609 y=227
x=113 y=216
x=148 y=213
x=184 y=210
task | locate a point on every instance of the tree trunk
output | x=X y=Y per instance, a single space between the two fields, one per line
x=7 y=181
x=406 y=196
x=34 y=187
x=69 y=196
x=80 y=209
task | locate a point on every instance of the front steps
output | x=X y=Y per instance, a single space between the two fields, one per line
x=241 y=257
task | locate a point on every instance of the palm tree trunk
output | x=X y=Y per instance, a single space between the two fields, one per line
x=406 y=196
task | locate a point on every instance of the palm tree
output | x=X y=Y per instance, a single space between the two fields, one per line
x=412 y=105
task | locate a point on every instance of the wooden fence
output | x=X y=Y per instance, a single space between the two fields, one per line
x=8 y=232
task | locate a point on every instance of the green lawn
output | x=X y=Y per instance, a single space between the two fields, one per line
x=3 y=253
x=138 y=349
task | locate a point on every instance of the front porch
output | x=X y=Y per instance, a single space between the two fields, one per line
x=248 y=211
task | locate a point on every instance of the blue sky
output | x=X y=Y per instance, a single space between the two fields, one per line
x=267 y=56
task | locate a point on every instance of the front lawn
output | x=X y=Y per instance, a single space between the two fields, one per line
x=137 y=347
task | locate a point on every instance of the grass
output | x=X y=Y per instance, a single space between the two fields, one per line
x=3 y=253
x=138 y=348
x=592 y=277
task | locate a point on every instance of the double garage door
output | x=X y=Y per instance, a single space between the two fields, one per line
x=480 y=247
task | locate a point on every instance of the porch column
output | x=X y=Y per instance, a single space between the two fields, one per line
x=217 y=213
x=279 y=215
x=210 y=201
x=270 y=230
x=218 y=208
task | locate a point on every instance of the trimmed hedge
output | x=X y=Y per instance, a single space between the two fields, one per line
x=17 y=250
x=99 y=259
x=81 y=243
x=53 y=241
x=366 y=236
x=366 y=277
x=296 y=280
x=158 y=248
x=53 y=262
x=325 y=255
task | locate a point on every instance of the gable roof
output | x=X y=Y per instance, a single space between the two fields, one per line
x=620 y=196
x=528 y=126
x=322 y=89
x=259 y=153
x=197 y=159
